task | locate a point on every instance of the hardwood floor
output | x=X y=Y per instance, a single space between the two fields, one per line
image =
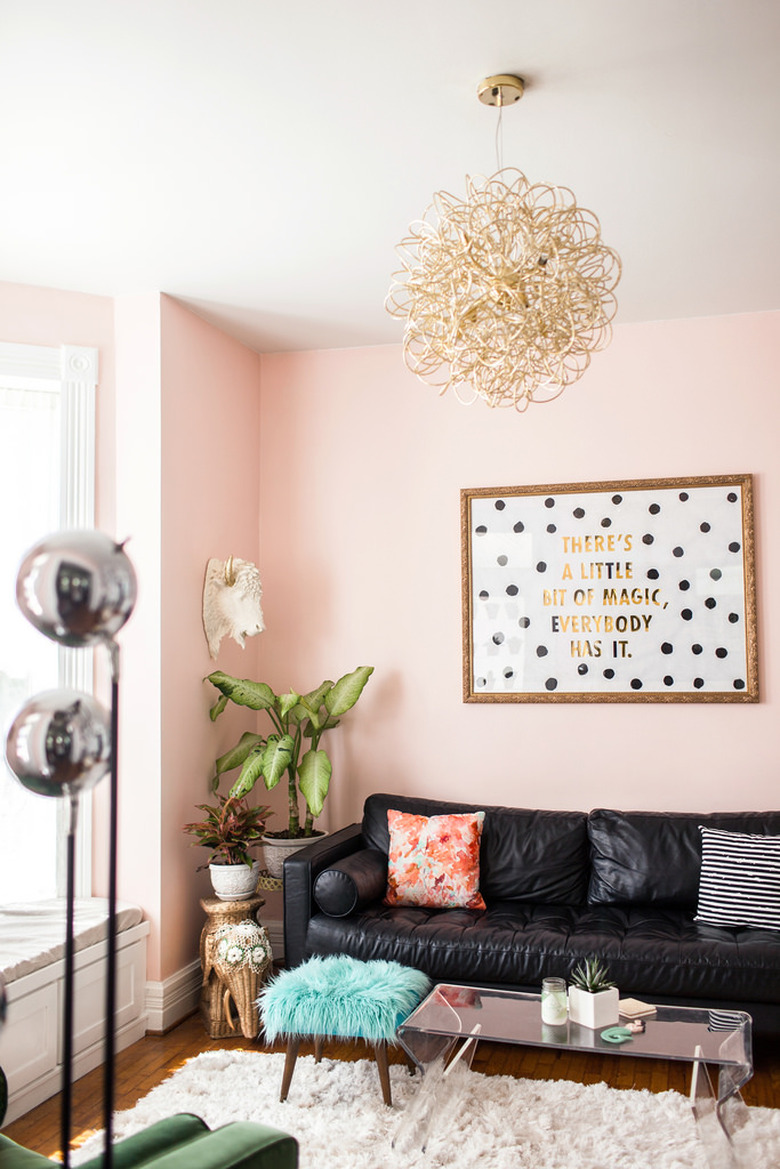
x=155 y=1057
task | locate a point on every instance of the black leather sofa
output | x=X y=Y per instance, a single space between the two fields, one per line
x=558 y=886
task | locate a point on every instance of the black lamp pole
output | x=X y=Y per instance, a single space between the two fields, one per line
x=110 y=1037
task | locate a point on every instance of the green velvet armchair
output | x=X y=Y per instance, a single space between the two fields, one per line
x=181 y=1142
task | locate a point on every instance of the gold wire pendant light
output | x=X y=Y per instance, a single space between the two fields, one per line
x=508 y=292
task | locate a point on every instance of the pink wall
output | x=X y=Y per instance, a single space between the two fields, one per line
x=187 y=489
x=210 y=507
x=137 y=485
x=361 y=468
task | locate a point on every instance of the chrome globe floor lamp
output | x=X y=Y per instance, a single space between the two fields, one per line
x=77 y=588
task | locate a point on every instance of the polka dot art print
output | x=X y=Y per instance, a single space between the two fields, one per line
x=621 y=592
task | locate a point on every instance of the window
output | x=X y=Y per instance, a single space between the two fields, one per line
x=47 y=476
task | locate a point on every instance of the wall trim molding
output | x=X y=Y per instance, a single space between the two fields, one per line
x=170 y=1001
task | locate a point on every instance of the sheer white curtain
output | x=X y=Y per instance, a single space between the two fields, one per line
x=46 y=483
x=29 y=497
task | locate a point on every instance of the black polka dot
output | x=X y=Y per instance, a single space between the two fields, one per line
x=683 y=497
x=582 y=668
x=739 y=684
x=551 y=528
x=698 y=683
x=541 y=566
x=550 y=502
x=498 y=638
x=668 y=680
x=678 y=551
x=481 y=530
x=710 y=602
x=733 y=618
x=610 y=674
x=503 y=561
x=512 y=590
x=647 y=538
x=720 y=652
x=500 y=505
x=551 y=684
x=653 y=574
x=519 y=527
x=578 y=513
x=684 y=585
x=606 y=522
x=617 y=498
x=484 y=594
x=732 y=497
x=696 y=649
x=654 y=508
x=667 y=648
x=686 y=615
x=509 y=672
x=542 y=651
x=715 y=573
x=636 y=683
x=704 y=527
x=481 y=681
x=734 y=546
x=524 y=622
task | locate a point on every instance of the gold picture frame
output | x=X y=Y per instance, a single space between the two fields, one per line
x=638 y=591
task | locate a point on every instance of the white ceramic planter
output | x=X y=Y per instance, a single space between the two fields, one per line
x=594 y=1010
x=277 y=849
x=234 y=882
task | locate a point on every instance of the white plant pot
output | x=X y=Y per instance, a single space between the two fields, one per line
x=277 y=849
x=594 y=1010
x=234 y=882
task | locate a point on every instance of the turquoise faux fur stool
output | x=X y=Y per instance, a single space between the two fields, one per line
x=340 y=997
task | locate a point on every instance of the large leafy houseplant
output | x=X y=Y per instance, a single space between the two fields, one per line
x=297 y=719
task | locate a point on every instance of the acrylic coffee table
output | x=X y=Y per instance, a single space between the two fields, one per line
x=459 y=1016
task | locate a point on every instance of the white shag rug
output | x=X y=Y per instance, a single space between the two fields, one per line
x=335 y=1111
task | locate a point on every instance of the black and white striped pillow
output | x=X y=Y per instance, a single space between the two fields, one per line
x=740 y=879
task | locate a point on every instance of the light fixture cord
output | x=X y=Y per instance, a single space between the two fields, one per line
x=500 y=136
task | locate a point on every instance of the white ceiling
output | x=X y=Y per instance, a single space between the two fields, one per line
x=260 y=160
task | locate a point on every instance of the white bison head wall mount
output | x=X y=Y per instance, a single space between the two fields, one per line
x=231 y=602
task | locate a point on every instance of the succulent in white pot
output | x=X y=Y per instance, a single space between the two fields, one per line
x=593 y=996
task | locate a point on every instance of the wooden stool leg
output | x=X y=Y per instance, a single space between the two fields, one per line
x=380 y=1054
x=318 y=1042
x=289 y=1066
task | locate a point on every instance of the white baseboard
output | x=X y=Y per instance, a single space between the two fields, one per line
x=170 y=1001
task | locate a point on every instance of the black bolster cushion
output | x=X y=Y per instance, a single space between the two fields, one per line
x=351 y=883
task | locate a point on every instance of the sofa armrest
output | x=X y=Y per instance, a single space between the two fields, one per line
x=300 y=871
x=180 y=1142
x=162 y=1137
x=351 y=883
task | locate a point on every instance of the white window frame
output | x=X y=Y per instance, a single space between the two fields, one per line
x=71 y=371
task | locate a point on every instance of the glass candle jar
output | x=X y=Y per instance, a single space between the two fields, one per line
x=555 y=1009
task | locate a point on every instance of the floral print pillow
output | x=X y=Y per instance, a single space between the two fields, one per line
x=434 y=860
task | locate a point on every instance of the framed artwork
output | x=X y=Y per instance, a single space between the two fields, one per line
x=610 y=592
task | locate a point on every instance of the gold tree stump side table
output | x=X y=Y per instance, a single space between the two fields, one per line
x=220 y=984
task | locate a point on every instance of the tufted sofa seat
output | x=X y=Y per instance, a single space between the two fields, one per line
x=558 y=886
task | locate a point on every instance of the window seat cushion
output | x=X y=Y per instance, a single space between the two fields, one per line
x=32 y=934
